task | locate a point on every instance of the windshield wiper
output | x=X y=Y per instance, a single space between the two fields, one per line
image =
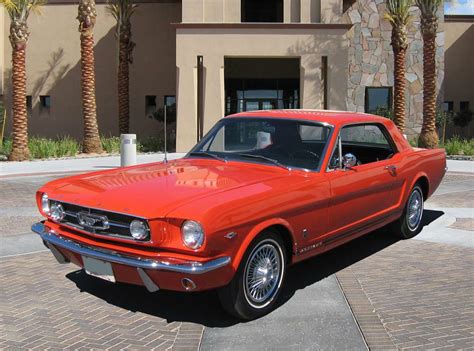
x=204 y=153
x=261 y=157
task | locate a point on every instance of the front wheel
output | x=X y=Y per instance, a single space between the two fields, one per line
x=257 y=283
x=409 y=223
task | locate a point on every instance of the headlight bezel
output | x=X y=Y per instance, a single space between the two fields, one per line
x=145 y=230
x=45 y=204
x=191 y=228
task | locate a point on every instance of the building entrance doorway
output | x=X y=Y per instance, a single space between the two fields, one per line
x=260 y=104
x=261 y=84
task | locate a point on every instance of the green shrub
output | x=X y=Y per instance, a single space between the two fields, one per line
x=111 y=144
x=47 y=148
x=5 y=147
x=413 y=142
x=459 y=146
x=151 y=144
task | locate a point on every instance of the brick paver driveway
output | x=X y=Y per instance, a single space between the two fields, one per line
x=404 y=294
x=417 y=293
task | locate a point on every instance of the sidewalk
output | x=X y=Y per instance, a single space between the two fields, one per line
x=74 y=164
x=460 y=166
x=96 y=163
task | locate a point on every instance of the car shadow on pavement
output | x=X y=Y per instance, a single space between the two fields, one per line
x=204 y=308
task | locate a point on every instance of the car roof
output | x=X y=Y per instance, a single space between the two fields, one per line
x=327 y=116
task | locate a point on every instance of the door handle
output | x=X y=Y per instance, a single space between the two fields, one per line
x=392 y=169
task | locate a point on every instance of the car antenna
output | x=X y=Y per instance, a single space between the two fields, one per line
x=165 y=160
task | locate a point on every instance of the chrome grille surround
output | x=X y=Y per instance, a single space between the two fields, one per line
x=98 y=222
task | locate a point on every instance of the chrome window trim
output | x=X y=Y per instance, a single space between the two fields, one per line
x=383 y=129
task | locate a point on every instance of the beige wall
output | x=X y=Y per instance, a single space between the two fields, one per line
x=459 y=67
x=3 y=42
x=53 y=67
x=215 y=44
x=294 y=11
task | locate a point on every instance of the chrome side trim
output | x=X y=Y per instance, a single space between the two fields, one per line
x=191 y=267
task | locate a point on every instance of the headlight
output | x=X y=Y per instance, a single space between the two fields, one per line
x=192 y=234
x=45 y=204
x=139 y=229
x=57 y=212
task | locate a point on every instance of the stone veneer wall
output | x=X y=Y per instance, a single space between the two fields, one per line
x=371 y=58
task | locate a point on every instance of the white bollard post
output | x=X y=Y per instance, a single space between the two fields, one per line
x=128 y=150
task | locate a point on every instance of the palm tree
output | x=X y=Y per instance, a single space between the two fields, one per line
x=87 y=15
x=429 y=25
x=122 y=10
x=19 y=11
x=398 y=15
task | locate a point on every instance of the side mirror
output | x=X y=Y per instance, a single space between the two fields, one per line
x=349 y=161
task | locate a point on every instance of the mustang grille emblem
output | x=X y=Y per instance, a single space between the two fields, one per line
x=93 y=221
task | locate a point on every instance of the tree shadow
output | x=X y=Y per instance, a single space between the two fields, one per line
x=204 y=307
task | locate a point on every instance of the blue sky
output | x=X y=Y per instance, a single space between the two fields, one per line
x=459 y=7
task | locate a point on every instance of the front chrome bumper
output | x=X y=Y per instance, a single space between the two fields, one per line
x=53 y=240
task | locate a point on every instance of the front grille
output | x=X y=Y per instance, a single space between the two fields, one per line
x=117 y=224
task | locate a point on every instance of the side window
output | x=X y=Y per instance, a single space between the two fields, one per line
x=364 y=134
x=367 y=142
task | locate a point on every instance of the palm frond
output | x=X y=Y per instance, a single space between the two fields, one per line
x=429 y=7
x=10 y=6
x=398 y=11
x=20 y=9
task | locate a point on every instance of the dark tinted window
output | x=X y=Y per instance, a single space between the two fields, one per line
x=262 y=10
x=378 y=98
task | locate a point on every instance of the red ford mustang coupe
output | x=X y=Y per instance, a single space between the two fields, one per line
x=261 y=191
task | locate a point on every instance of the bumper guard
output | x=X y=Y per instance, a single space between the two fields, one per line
x=53 y=240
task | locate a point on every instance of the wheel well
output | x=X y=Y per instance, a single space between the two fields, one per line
x=423 y=182
x=286 y=236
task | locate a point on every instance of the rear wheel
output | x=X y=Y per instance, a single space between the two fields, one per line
x=257 y=283
x=409 y=223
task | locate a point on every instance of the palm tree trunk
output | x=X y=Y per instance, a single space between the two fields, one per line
x=428 y=136
x=20 y=149
x=399 y=93
x=123 y=86
x=91 y=143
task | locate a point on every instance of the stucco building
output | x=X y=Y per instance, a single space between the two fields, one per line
x=215 y=57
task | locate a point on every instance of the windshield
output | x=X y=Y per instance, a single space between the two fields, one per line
x=278 y=142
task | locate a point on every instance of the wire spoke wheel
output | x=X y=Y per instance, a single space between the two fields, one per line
x=415 y=209
x=263 y=274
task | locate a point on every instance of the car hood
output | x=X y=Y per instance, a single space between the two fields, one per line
x=153 y=190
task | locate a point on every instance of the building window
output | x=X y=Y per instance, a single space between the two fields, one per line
x=378 y=100
x=170 y=103
x=29 y=103
x=150 y=104
x=45 y=103
x=262 y=10
x=464 y=106
x=448 y=106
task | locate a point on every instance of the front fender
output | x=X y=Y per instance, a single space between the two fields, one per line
x=254 y=232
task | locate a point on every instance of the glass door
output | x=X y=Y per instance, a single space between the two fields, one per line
x=260 y=104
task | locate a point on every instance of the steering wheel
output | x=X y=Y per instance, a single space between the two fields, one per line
x=292 y=154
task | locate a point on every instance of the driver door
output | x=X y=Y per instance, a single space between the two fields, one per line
x=362 y=194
